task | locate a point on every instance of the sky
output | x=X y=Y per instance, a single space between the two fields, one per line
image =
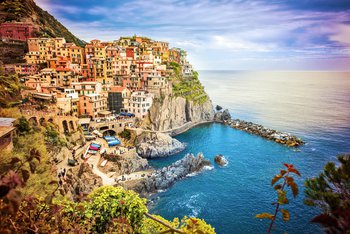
x=223 y=34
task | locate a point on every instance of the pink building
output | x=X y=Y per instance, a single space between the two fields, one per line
x=27 y=69
x=17 y=31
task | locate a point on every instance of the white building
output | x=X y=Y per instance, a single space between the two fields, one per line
x=83 y=88
x=139 y=103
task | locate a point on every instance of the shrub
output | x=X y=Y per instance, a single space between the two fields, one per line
x=126 y=134
x=330 y=191
x=109 y=202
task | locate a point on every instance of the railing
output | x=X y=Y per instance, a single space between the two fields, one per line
x=170 y=228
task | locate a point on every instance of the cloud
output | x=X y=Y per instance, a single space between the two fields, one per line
x=58 y=8
x=342 y=35
x=263 y=28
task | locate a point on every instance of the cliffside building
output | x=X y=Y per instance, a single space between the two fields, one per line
x=17 y=31
x=139 y=103
x=91 y=104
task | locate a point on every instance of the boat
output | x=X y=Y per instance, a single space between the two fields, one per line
x=93 y=148
x=96 y=145
x=109 y=138
x=113 y=143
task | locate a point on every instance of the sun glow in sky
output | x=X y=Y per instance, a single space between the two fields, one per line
x=223 y=34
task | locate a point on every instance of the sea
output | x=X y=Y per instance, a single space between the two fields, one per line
x=313 y=105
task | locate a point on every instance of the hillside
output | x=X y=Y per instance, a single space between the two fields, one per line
x=9 y=90
x=27 y=10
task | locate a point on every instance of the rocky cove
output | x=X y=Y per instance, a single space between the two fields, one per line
x=153 y=139
x=164 y=178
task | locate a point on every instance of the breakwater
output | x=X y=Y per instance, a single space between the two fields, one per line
x=257 y=129
x=268 y=133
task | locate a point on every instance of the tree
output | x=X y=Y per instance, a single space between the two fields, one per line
x=288 y=180
x=330 y=191
x=23 y=126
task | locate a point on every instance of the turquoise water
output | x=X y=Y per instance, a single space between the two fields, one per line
x=312 y=105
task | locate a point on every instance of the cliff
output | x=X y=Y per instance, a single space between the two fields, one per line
x=80 y=180
x=28 y=11
x=173 y=112
x=185 y=106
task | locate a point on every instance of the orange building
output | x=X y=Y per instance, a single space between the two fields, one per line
x=91 y=104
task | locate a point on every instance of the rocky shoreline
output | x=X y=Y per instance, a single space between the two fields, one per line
x=157 y=145
x=257 y=129
x=164 y=178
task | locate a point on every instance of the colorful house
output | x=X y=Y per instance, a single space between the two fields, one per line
x=18 y=31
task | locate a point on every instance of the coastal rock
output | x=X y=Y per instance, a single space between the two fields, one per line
x=218 y=108
x=174 y=112
x=220 y=160
x=226 y=115
x=80 y=180
x=153 y=145
x=126 y=164
x=167 y=176
x=59 y=154
x=222 y=116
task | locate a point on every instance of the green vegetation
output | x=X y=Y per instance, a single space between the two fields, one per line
x=52 y=137
x=30 y=202
x=106 y=210
x=109 y=202
x=288 y=180
x=330 y=191
x=186 y=225
x=126 y=134
x=30 y=140
x=9 y=90
x=188 y=87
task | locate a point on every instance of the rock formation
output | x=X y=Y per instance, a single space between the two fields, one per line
x=126 y=164
x=220 y=160
x=174 y=112
x=80 y=180
x=167 y=176
x=153 y=145
x=268 y=133
x=222 y=116
x=257 y=129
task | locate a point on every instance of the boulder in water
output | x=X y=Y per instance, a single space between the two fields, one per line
x=220 y=160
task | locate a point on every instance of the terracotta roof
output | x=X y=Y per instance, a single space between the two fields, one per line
x=63 y=69
x=117 y=89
